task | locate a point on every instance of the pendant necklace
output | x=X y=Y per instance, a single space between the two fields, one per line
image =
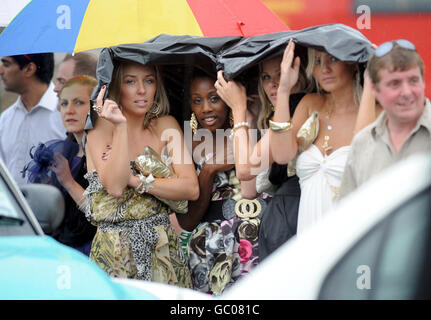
x=326 y=147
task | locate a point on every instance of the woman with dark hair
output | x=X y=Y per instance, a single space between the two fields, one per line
x=222 y=245
x=134 y=237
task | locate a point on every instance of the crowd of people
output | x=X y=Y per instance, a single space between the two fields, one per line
x=324 y=127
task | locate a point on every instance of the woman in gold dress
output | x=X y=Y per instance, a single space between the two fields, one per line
x=134 y=238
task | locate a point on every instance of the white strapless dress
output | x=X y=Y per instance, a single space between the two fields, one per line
x=320 y=178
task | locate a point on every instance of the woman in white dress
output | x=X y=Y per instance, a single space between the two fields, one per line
x=317 y=139
x=318 y=136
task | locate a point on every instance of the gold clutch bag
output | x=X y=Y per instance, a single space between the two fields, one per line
x=149 y=162
x=305 y=137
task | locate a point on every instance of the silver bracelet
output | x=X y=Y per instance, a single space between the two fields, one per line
x=206 y=158
x=238 y=125
x=145 y=184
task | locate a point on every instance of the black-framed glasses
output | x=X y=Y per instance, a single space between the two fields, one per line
x=387 y=47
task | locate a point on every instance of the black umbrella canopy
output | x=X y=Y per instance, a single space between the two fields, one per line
x=175 y=55
x=342 y=42
x=237 y=56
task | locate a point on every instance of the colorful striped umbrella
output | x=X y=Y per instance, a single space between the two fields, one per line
x=78 y=25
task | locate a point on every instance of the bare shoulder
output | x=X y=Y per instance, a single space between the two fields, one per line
x=165 y=122
x=309 y=103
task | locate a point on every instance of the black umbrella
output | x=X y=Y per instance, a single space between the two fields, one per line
x=342 y=42
x=174 y=54
x=237 y=56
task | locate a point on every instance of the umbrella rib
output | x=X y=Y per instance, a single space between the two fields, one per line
x=239 y=23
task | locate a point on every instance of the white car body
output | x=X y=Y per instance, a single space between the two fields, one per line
x=298 y=269
x=165 y=291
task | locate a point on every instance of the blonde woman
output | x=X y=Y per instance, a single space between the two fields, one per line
x=134 y=238
x=279 y=220
x=326 y=122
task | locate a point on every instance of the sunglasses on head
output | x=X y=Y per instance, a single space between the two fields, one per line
x=387 y=47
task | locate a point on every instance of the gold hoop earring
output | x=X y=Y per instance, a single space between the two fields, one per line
x=154 y=112
x=193 y=123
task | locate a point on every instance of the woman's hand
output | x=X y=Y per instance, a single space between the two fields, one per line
x=221 y=162
x=232 y=93
x=289 y=72
x=108 y=109
x=61 y=169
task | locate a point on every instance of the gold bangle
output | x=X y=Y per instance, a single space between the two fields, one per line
x=280 y=126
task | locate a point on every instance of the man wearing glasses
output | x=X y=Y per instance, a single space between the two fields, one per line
x=404 y=127
x=34 y=117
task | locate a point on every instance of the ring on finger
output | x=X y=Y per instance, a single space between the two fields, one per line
x=97 y=108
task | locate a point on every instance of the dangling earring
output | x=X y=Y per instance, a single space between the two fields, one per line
x=357 y=90
x=317 y=85
x=358 y=80
x=193 y=123
x=154 y=112
x=231 y=121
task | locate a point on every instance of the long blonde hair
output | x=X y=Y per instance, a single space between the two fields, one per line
x=160 y=105
x=266 y=105
x=303 y=85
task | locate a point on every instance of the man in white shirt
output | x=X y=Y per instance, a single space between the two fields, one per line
x=34 y=117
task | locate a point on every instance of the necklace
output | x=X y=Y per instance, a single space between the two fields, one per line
x=326 y=147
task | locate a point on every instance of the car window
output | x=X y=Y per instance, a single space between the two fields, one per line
x=388 y=261
x=6 y=208
x=13 y=221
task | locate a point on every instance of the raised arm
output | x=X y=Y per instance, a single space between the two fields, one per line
x=110 y=129
x=250 y=158
x=369 y=110
x=283 y=142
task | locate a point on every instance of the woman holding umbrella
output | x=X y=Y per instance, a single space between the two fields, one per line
x=223 y=225
x=320 y=132
x=134 y=238
x=279 y=223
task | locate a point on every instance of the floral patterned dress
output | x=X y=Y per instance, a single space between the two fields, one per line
x=134 y=237
x=224 y=247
